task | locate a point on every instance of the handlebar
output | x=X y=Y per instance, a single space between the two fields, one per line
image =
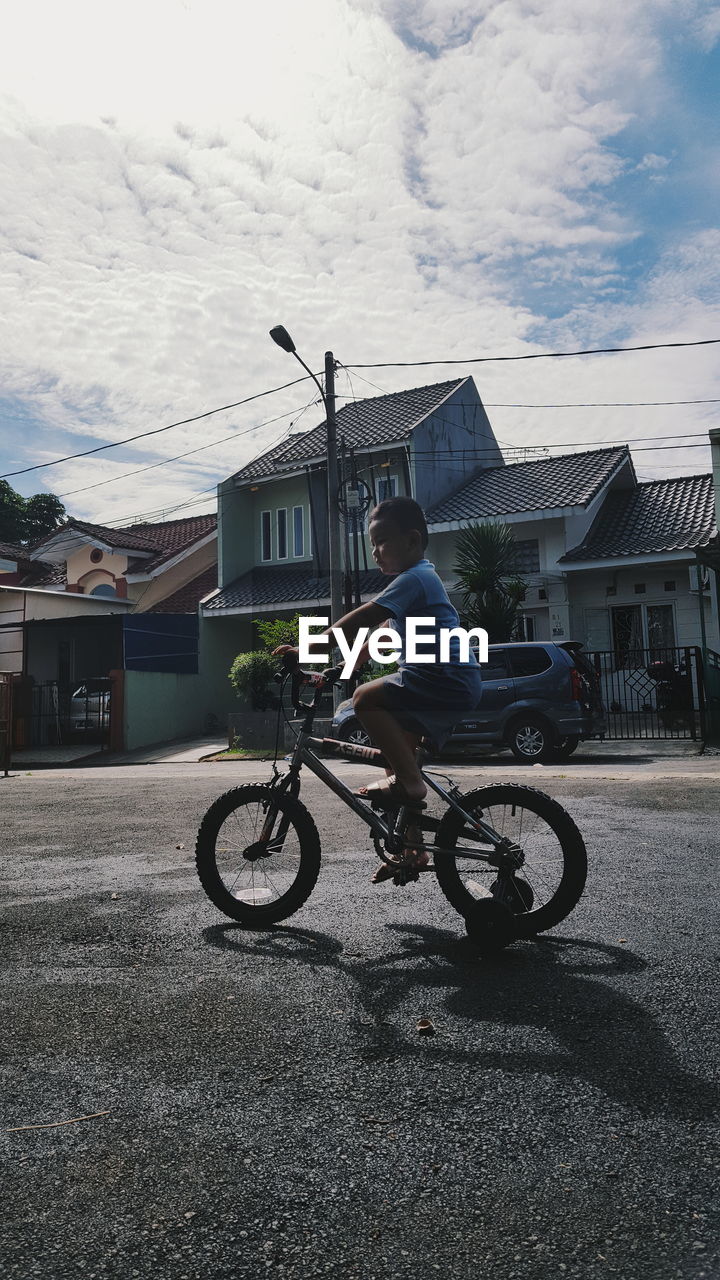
x=320 y=680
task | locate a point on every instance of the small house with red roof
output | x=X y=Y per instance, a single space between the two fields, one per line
x=91 y=603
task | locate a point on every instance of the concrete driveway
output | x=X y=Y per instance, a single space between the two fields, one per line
x=261 y=1103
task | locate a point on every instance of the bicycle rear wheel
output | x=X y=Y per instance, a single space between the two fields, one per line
x=552 y=877
x=257 y=854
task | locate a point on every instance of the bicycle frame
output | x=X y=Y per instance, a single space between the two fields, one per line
x=303 y=753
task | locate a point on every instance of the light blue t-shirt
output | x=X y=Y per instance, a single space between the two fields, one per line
x=418 y=592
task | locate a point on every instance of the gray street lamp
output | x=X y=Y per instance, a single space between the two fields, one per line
x=281 y=336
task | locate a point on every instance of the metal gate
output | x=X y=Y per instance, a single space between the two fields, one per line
x=6 y=719
x=53 y=714
x=656 y=693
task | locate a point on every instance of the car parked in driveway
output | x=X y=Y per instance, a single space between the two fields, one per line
x=540 y=699
x=90 y=707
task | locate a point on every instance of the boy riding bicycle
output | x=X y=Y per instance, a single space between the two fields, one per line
x=420 y=699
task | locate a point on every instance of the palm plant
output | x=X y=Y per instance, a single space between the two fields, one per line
x=485 y=567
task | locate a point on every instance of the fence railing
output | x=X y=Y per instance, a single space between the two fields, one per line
x=49 y=714
x=6 y=721
x=656 y=693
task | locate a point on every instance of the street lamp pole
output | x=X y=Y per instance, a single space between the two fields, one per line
x=334 y=556
x=281 y=336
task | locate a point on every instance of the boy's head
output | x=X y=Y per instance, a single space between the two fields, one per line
x=398 y=533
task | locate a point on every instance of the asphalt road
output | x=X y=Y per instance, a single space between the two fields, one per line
x=269 y=1108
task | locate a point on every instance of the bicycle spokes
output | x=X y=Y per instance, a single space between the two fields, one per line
x=257 y=854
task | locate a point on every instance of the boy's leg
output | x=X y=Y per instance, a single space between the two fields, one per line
x=395 y=742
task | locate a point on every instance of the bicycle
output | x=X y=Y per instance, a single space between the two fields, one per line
x=258 y=850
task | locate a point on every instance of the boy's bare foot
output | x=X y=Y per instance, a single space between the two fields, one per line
x=412 y=859
x=391 y=793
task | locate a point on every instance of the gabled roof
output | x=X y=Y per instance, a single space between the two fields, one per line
x=172 y=536
x=570 y=480
x=123 y=539
x=9 y=551
x=157 y=542
x=363 y=424
x=284 y=586
x=186 y=599
x=657 y=516
x=31 y=573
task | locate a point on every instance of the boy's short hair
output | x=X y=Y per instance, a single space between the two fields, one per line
x=405 y=513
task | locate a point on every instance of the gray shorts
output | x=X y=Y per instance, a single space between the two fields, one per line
x=429 y=702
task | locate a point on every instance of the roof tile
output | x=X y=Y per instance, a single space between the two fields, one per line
x=572 y=479
x=186 y=599
x=283 y=586
x=659 y=515
x=363 y=424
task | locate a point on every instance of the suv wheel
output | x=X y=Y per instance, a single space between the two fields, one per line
x=352 y=731
x=531 y=740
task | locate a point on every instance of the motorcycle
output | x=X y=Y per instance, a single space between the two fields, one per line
x=673 y=693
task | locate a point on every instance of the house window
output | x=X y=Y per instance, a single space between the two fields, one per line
x=298 y=531
x=527 y=556
x=670 y=584
x=386 y=488
x=282 y=548
x=638 y=628
x=265 y=536
x=639 y=588
x=104 y=589
x=660 y=626
x=627 y=631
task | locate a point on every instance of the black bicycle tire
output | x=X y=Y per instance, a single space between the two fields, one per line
x=210 y=879
x=572 y=881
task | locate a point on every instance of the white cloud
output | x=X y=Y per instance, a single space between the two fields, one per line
x=381 y=177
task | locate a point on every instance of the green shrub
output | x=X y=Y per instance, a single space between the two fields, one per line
x=251 y=675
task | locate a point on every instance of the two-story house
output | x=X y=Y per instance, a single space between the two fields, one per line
x=272 y=514
x=608 y=561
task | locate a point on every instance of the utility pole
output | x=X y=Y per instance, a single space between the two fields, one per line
x=333 y=479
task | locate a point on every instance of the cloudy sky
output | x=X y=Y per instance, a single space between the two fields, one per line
x=396 y=180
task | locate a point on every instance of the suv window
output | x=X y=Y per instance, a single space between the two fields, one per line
x=529 y=662
x=496 y=667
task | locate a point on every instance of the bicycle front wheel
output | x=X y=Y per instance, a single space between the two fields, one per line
x=544 y=890
x=257 y=855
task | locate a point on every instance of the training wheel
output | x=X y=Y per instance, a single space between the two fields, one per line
x=490 y=925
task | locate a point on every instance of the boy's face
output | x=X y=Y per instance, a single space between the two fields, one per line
x=394 y=549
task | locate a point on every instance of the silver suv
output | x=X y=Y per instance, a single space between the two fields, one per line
x=539 y=699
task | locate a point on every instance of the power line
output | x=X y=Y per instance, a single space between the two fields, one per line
x=538 y=355
x=142 y=435
x=199 y=497
x=235 y=435
x=589 y=404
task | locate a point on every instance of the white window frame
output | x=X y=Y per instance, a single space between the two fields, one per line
x=277 y=531
x=392 y=477
x=298 y=555
x=643 y=606
x=263 y=558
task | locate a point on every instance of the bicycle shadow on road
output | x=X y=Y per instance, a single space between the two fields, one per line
x=552 y=985
x=555 y=986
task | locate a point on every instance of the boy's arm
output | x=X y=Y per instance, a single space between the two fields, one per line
x=366 y=615
x=364 y=653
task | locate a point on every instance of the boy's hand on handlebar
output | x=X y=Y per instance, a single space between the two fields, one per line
x=289 y=655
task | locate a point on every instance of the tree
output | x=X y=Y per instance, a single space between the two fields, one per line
x=26 y=520
x=12 y=514
x=492 y=591
x=43 y=513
